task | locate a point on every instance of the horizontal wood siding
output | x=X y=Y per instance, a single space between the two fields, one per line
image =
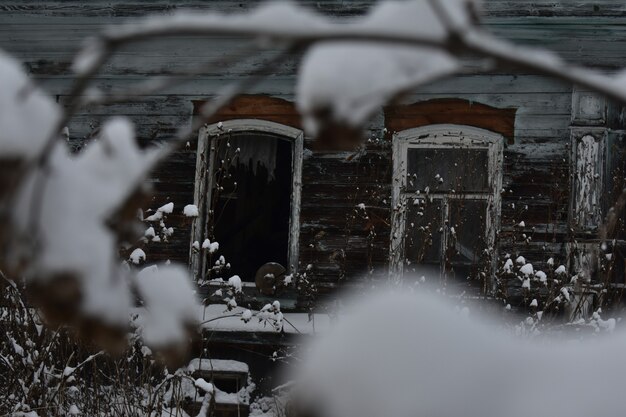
x=339 y=239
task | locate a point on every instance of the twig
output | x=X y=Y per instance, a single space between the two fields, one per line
x=219 y=318
x=608 y=227
x=468 y=40
x=159 y=84
x=294 y=327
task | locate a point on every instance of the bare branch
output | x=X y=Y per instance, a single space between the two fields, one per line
x=159 y=84
x=470 y=40
x=542 y=62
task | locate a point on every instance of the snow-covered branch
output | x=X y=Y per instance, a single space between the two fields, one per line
x=404 y=45
x=60 y=213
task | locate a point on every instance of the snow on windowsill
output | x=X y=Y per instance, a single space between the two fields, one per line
x=319 y=324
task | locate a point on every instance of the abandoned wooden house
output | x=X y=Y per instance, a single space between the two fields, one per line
x=462 y=174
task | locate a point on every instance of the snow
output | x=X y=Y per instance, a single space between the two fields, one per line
x=607 y=325
x=351 y=97
x=190 y=210
x=167 y=208
x=25 y=414
x=331 y=79
x=19 y=350
x=288 y=279
x=508 y=265
x=82 y=192
x=331 y=76
x=68 y=371
x=158 y=214
x=436 y=362
x=212 y=318
x=27 y=115
x=173 y=412
x=235 y=282
x=154 y=217
x=520 y=260
x=204 y=386
x=217 y=365
x=137 y=256
x=246 y=316
x=146 y=351
x=560 y=270
x=211 y=246
x=534 y=303
x=233 y=398
x=541 y=276
x=527 y=269
x=170 y=301
x=281 y=18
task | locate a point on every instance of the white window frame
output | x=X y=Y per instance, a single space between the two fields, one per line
x=442 y=136
x=203 y=189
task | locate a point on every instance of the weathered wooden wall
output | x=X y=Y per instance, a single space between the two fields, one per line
x=337 y=239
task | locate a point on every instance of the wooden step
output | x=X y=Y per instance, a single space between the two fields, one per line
x=228 y=377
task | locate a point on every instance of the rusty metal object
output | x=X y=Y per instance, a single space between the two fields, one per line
x=268 y=278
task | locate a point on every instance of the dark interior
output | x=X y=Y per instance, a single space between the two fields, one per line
x=252 y=201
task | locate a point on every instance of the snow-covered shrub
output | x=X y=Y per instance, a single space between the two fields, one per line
x=46 y=371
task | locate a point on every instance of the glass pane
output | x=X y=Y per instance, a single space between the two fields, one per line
x=252 y=201
x=447 y=169
x=422 y=242
x=466 y=238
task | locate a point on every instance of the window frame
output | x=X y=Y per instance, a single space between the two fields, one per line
x=587 y=176
x=443 y=136
x=203 y=185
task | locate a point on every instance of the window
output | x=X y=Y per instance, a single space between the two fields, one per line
x=248 y=194
x=446 y=198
